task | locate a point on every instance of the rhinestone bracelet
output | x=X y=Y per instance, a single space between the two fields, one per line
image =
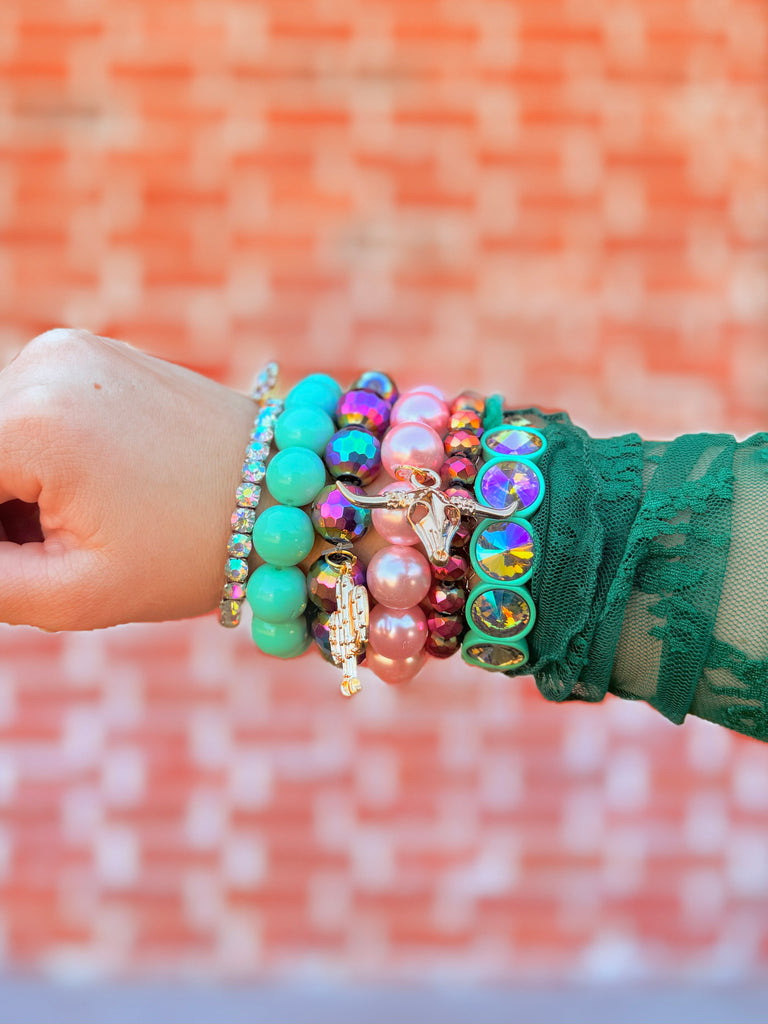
x=500 y=611
x=247 y=497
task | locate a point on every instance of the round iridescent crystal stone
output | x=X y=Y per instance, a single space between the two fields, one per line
x=234 y=591
x=516 y=441
x=361 y=408
x=500 y=612
x=354 y=454
x=502 y=551
x=321 y=582
x=494 y=656
x=337 y=519
x=506 y=481
x=516 y=418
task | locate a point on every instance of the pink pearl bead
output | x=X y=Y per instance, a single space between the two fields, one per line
x=392 y=523
x=397 y=634
x=430 y=389
x=412 y=444
x=421 y=407
x=398 y=576
x=394 y=671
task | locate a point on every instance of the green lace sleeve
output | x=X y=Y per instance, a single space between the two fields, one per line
x=651 y=578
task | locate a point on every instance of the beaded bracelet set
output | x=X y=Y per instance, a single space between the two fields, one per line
x=465 y=592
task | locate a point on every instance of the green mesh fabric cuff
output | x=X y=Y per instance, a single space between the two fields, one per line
x=494 y=412
x=651 y=578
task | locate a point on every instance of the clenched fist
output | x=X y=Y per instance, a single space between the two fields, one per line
x=117 y=477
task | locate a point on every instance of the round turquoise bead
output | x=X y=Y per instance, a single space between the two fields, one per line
x=283 y=535
x=325 y=380
x=295 y=476
x=304 y=426
x=281 y=639
x=317 y=389
x=277 y=593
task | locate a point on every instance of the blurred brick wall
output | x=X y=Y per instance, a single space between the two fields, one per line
x=566 y=199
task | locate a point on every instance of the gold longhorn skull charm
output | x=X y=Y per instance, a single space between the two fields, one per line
x=434 y=516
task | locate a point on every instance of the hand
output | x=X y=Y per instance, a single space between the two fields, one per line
x=118 y=474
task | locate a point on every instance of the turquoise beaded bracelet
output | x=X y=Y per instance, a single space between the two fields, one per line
x=284 y=534
x=500 y=611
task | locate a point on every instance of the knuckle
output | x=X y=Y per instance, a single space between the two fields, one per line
x=59 y=344
x=59 y=338
x=44 y=384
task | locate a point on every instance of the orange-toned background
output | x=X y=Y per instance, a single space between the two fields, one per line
x=564 y=200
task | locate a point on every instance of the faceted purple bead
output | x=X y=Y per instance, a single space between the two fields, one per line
x=466 y=419
x=337 y=519
x=318 y=628
x=458 y=469
x=469 y=400
x=321 y=583
x=355 y=453
x=463 y=442
x=363 y=409
x=462 y=536
x=504 y=481
x=446 y=597
x=445 y=625
x=442 y=646
x=458 y=490
x=456 y=568
x=380 y=383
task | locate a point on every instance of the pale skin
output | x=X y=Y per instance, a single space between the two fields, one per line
x=133 y=463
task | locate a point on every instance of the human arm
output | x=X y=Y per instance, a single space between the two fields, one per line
x=651 y=573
